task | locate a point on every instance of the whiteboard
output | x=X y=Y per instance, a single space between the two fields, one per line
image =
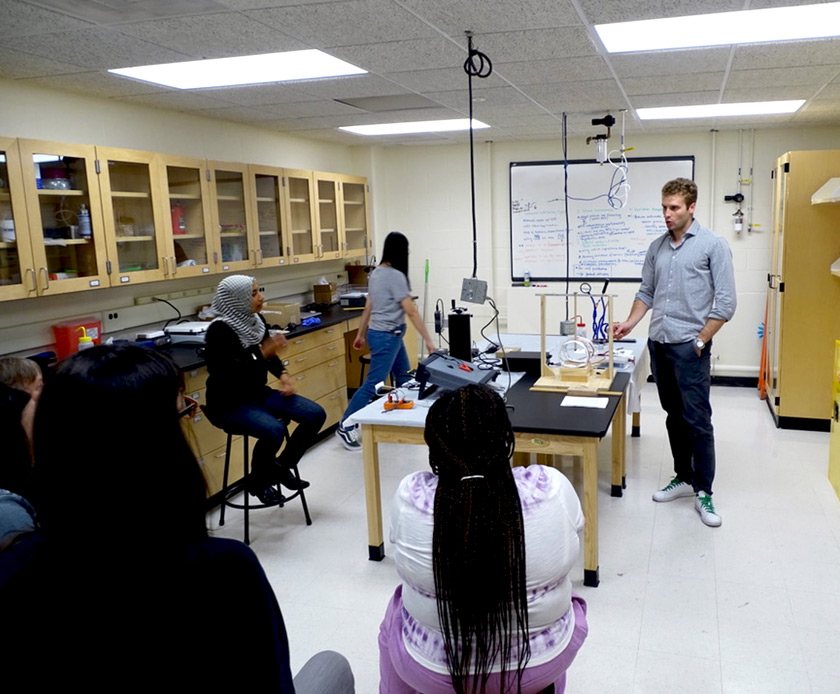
x=613 y=216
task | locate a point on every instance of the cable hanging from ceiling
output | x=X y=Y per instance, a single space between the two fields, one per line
x=478 y=65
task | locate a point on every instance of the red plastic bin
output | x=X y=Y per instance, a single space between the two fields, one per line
x=67 y=335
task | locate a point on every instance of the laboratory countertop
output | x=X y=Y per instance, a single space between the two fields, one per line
x=189 y=355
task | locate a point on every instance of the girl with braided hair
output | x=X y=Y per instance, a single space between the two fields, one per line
x=475 y=612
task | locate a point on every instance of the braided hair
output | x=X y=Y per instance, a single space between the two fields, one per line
x=478 y=543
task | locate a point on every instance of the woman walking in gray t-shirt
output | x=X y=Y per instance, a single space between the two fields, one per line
x=382 y=326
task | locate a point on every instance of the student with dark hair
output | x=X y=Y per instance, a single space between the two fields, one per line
x=382 y=327
x=123 y=588
x=240 y=353
x=484 y=552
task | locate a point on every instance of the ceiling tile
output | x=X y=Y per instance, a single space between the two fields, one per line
x=670 y=84
x=670 y=62
x=457 y=16
x=213 y=36
x=100 y=48
x=538 y=44
x=323 y=25
x=25 y=19
x=819 y=74
x=822 y=52
x=527 y=72
x=608 y=11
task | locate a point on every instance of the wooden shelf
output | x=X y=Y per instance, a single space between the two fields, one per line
x=354 y=202
x=299 y=201
x=52 y=243
x=354 y=229
x=188 y=236
x=130 y=194
x=183 y=196
x=229 y=198
x=134 y=239
x=61 y=193
x=8 y=244
x=326 y=201
x=5 y=196
x=269 y=232
x=326 y=230
x=264 y=199
x=301 y=231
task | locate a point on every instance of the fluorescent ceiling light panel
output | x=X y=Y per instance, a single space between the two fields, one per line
x=420 y=126
x=755 y=108
x=246 y=69
x=723 y=28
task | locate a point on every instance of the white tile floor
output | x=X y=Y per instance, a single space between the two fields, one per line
x=752 y=606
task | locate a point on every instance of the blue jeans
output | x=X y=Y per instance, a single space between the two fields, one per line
x=263 y=421
x=387 y=356
x=683 y=381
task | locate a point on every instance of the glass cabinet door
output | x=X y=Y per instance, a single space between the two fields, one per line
x=134 y=227
x=17 y=271
x=300 y=213
x=354 y=198
x=189 y=218
x=65 y=216
x=232 y=215
x=270 y=216
x=328 y=238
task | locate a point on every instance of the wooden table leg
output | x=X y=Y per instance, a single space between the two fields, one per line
x=590 y=513
x=619 y=432
x=636 y=431
x=373 y=496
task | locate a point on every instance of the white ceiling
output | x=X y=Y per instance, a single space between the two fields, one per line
x=546 y=60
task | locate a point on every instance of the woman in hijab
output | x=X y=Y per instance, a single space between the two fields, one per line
x=240 y=352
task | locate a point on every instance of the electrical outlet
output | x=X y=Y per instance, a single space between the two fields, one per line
x=473 y=291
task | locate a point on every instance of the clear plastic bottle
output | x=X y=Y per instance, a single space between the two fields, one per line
x=84 y=222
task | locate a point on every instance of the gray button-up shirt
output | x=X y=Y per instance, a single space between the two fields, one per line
x=687 y=284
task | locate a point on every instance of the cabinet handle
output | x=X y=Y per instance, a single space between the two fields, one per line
x=299 y=360
x=300 y=377
x=46 y=277
x=29 y=271
x=164 y=261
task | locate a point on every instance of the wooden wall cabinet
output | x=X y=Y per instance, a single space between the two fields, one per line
x=803 y=320
x=329 y=232
x=17 y=265
x=139 y=243
x=58 y=179
x=301 y=240
x=188 y=218
x=269 y=212
x=159 y=217
x=355 y=216
x=232 y=216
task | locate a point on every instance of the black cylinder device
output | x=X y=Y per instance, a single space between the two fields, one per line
x=460 y=344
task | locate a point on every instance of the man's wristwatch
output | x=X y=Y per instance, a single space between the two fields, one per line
x=699 y=344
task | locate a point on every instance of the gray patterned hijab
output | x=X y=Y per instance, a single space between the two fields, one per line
x=232 y=305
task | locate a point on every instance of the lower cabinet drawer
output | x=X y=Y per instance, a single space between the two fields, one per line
x=334 y=404
x=322 y=379
x=213 y=465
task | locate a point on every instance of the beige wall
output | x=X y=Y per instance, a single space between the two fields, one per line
x=423 y=191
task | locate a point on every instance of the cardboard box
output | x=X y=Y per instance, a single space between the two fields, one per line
x=324 y=293
x=277 y=313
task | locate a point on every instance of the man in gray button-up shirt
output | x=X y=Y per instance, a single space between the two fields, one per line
x=689 y=283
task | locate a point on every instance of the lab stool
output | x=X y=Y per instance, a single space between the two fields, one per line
x=229 y=492
x=364 y=360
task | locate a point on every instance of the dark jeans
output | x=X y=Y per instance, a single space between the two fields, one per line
x=683 y=380
x=263 y=421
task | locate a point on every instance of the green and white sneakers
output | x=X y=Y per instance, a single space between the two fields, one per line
x=704 y=505
x=675 y=489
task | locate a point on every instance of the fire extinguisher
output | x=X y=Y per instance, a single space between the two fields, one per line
x=179 y=222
